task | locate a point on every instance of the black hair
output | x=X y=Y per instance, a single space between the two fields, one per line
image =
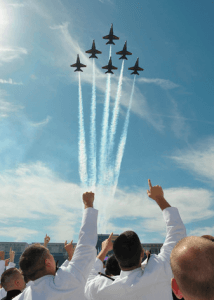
x=112 y=266
x=127 y=249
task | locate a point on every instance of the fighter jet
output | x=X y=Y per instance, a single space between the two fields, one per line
x=78 y=65
x=93 y=51
x=109 y=67
x=124 y=52
x=136 y=68
x=111 y=36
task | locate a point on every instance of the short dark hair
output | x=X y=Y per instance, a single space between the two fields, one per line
x=127 y=249
x=32 y=261
x=8 y=277
x=112 y=266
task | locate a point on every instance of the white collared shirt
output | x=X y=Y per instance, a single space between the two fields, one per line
x=149 y=282
x=69 y=281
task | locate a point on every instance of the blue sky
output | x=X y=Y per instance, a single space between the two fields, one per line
x=170 y=135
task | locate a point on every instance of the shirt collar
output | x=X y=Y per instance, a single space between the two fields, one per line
x=13 y=293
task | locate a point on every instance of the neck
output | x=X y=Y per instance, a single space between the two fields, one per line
x=132 y=268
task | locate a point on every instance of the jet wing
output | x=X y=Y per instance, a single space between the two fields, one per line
x=114 y=37
x=74 y=65
x=120 y=52
x=98 y=52
x=132 y=68
x=105 y=67
x=89 y=51
x=128 y=53
x=82 y=66
x=140 y=69
x=106 y=37
x=114 y=68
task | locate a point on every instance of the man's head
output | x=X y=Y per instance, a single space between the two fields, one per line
x=36 y=261
x=192 y=263
x=12 y=279
x=112 y=266
x=128 y=250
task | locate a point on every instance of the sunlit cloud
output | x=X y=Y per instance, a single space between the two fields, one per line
x=202 y=231
x=42 y=123
x=199 y=159
x=163 y=83
x=17 y=233
x=10 y=81
x=6 y=108
x=17 y=5
x=59 y=202
x=8 y=54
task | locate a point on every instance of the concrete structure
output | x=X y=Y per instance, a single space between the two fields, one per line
x=58 y=250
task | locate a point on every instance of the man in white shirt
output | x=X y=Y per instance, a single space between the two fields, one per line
x=8 y=263
x=192 y=262
x=38 y=265
x=136 y=281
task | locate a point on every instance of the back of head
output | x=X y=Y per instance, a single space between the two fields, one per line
x=127 y=249
x=112 y=266
x=192 y=263
x=9 y=277
x=32 y=262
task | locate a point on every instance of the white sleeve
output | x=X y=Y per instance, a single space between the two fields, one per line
x=98 y=267
x=65 y=264
x=78 y=269
x=3 y=293
x=2 y=267
x=175 y=231
x=11 y=265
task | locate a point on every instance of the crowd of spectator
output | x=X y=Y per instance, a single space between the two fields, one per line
x=184 y=268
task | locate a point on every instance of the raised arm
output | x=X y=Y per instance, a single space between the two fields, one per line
x=175 y=229
x=78 y=269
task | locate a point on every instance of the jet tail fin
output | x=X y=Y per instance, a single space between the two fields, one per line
x=135 y=72
x=110 y=42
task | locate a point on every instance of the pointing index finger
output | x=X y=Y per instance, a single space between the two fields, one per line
x=110 y=236
x=149 y=182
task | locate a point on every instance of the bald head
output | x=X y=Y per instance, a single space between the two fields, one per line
x=192 y=263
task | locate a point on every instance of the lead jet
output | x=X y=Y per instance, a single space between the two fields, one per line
x=109 y=67
x=78 y=65
x=124 y=52
x=111 y=36
x=93 y=51
x=136 y=68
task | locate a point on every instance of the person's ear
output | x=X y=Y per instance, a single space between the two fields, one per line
x=47 y=262
x=176 y=289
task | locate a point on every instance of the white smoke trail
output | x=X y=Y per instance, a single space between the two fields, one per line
x=82 y=145
x=122 y=143
x=93 y=165
x=103 y=146
x=110 y=52
x=115 y=114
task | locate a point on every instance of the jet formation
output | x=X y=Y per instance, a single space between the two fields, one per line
x=93 y=51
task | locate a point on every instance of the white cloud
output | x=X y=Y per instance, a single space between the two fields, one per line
x=6 y=108
x=202 y=231
x=42 y=123
x=8 y=54
x=163 y=83
x=35 y=192
x=17 y=5
x=199 y=159
x=17 y=233
x=10 y=81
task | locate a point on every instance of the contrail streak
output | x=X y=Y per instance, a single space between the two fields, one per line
x=82 y=146
x=104 y=135
x=93 y=164
x=115 y=114
x=103 y=146
x=122 y=143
